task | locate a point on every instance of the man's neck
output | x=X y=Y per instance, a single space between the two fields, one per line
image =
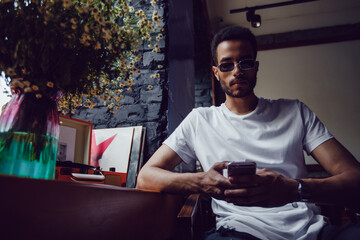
x=241 y=106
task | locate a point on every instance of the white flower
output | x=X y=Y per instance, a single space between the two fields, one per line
x=67 y=3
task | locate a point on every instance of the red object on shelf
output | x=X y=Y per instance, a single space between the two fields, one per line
x=90 y=176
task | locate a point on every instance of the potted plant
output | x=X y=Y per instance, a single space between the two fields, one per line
x=61 y=53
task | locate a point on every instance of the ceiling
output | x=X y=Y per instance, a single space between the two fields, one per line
x=317 y=14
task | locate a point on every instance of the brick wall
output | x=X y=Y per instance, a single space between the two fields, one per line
x=141 y=106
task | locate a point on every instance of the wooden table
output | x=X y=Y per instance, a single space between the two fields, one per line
x=46 y=209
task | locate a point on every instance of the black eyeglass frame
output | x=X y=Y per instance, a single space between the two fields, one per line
x=238 y=64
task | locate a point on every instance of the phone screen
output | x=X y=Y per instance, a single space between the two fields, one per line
x=241 y=168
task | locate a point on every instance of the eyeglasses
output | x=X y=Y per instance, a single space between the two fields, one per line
x=245 y=64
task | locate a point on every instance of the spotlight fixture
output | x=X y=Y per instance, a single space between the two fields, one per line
x=255 y=19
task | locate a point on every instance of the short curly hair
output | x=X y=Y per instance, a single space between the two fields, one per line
x=232 y=33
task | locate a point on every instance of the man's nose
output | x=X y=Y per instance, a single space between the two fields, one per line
x=237 y=70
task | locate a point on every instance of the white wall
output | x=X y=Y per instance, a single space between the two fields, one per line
x=4 y=97
x=325 y=77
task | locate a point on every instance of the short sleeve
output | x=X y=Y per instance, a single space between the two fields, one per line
x=182 y=140
x=315 y=131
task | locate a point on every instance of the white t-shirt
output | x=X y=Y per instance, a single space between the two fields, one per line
x=274 y=135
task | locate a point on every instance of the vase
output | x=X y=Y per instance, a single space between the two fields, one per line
x=29 y=133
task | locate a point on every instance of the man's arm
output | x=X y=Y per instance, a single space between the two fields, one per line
x=273 y=189
x=342 y=188
x=157 y=175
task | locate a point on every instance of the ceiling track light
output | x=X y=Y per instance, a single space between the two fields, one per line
x=255 y=19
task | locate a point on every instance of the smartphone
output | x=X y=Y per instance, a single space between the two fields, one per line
x=241 y=168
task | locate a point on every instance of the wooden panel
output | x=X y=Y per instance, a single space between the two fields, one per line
x=40 y=209
x=309 y=37
x=189 y=207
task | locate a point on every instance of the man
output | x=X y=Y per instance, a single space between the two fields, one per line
x=274 y=203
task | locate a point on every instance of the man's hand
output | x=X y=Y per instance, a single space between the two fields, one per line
x=157 y=175
x=265 y=189
x=213 y=182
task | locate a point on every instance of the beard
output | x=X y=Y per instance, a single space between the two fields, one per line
x=238 y=93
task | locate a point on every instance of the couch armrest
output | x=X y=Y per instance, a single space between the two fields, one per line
x=187 y=215
x=195 y=217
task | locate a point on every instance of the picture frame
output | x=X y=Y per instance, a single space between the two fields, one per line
x=74 y=140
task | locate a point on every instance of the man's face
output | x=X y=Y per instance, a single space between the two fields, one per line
x=236 y=83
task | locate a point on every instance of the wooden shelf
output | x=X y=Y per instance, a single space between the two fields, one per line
x=49 y=209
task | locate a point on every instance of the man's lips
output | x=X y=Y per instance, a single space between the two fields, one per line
x=239 y=81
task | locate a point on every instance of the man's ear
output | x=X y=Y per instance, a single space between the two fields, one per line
x=216 y=72
x=256 y=66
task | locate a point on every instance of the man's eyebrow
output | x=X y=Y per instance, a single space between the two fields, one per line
x=226 y=59
x=246 y=57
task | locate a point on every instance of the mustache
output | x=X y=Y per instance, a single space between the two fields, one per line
x=239 y=80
